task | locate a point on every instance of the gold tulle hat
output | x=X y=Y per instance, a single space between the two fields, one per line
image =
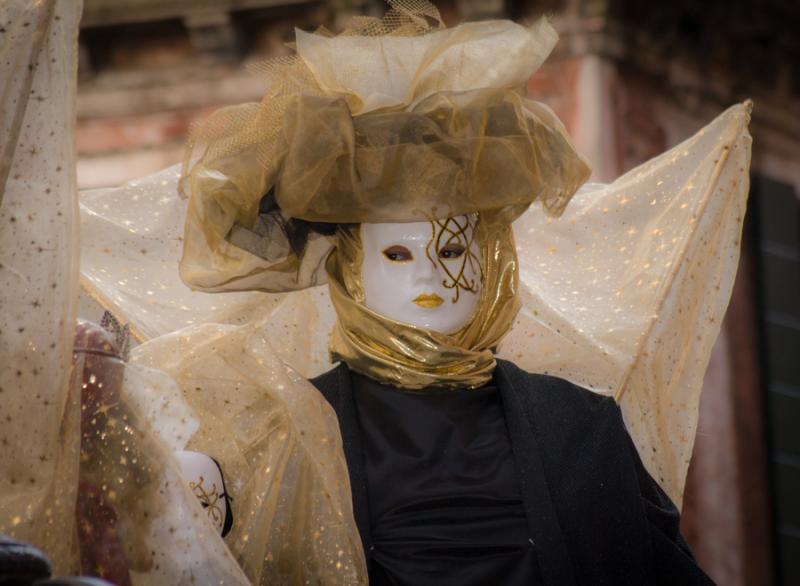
x=396 y=119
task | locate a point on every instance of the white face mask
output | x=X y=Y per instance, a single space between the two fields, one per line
x=426 y=274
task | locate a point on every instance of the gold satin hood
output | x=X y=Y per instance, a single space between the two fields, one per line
x=411 y=357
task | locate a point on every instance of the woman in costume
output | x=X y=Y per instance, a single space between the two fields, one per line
x=463 y=469
x=511 y=479
x=399 y=128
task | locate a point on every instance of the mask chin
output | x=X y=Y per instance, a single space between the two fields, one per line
x=425 y=274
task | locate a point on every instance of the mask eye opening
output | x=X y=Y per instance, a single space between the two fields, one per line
x=397 y=253
x=451 y=251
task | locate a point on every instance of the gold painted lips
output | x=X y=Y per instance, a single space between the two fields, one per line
x=429 y=301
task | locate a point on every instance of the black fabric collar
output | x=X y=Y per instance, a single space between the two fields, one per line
x=543 y=522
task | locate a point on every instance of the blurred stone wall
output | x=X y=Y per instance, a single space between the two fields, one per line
x=149 y=69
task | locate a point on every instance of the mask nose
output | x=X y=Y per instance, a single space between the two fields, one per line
x=426 y=273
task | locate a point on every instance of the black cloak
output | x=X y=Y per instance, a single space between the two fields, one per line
x=593 y=513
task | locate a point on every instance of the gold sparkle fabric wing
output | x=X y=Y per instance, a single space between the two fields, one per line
x=131 y=238
x=137 y=522
x=273 y=434
x=278 y=443
x=625 y=293
x=38 y=274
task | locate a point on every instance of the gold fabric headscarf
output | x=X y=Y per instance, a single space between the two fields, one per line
x=411 y=357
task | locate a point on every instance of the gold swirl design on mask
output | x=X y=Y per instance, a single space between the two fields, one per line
x=209 y=499
x=449 y=231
